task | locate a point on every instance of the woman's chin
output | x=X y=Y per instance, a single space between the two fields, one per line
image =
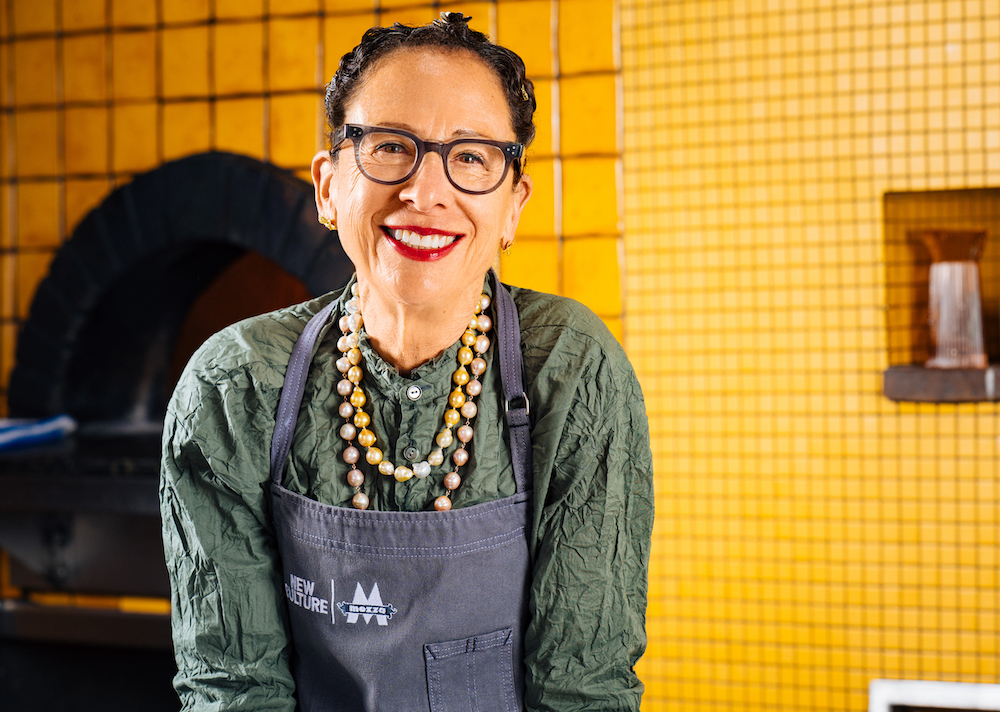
x=425 y=277
x=413 y=283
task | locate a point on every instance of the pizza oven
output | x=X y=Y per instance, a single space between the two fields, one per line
x=165 y=261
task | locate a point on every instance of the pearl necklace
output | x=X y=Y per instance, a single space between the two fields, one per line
x=461 y=404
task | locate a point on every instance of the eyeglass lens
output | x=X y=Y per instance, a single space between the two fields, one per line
x=471 y=166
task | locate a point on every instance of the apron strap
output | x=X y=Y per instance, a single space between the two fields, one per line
x=511 y=378
x=515 y=397
x=292 y=390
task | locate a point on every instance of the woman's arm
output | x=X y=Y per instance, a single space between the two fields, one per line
x=588 y=594
x=229 y=623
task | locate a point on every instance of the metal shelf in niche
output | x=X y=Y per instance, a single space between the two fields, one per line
x=919 y=384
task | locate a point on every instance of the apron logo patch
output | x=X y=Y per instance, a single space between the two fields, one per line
x=367 y=606
x=301 y=592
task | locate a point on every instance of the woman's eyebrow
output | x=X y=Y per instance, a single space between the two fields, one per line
x=458 y=133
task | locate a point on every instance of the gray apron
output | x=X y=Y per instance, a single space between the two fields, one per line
x=401 y=611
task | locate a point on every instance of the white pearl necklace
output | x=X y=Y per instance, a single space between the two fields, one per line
x=461 y=404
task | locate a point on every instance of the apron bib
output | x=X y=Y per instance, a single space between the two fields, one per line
x=407 y=611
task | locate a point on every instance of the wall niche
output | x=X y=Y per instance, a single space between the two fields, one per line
x=908 y=267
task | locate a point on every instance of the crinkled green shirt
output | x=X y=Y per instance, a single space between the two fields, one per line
x=593 y=495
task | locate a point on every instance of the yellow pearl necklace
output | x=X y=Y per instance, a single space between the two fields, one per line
x=461 y=405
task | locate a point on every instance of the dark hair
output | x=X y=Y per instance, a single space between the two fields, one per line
x=450 y=32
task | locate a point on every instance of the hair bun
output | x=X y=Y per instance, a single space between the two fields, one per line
x=456 y=17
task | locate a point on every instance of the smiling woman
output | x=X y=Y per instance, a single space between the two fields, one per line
x=428 y=490
x=417 y=298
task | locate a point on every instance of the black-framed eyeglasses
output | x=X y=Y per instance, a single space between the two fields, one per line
x=391 y=156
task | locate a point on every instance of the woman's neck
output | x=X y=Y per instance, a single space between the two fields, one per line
x=406 y=336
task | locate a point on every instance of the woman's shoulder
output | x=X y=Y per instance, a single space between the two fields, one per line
x=575 y=369
x=552 y=322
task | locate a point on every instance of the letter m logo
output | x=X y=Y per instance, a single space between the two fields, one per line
x=367 y=606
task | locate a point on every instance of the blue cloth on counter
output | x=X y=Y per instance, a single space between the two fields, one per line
x=22 y=432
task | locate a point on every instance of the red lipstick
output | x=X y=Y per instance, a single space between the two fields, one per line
x=416 y=253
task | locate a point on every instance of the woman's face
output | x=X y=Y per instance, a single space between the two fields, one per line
x=439 y=96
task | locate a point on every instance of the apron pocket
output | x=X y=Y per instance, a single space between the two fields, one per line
x=472 y=674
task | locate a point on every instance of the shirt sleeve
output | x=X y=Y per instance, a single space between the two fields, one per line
x=229 y=621
x=591 y=540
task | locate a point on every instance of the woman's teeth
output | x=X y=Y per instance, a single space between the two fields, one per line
x=422 y=241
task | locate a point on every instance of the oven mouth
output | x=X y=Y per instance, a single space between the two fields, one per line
x=159 y=265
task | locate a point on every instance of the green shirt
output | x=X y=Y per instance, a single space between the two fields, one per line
x=593 y=496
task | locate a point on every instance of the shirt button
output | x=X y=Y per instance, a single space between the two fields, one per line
x=411 y=453
x=413 y=392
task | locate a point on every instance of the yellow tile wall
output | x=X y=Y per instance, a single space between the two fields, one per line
x=93 y=92
x=810 y=534
x=570 y=48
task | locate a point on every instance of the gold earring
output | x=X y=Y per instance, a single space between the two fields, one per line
x=506 y=248
x=327 y=222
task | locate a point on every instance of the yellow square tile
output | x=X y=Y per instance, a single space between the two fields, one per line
x=591 y=273
x=86 y=140
x=185 y=129
x=294 y=130
x=133 y=65
x=82 y=196
x=34 y=72
x=133 y=13
x=5 y=98
x=38 y=206
x=239 y=126
x=293 y=62
x=5 y=137
x=291 y=7
x=538 y=217
x=411 y=16
x=36 y=142
x=392 y=4
x=588 y=111
x=31 y=269
x=239 y=58
x=590 y=196
x=542 y=144
x=34 y=17
x=586 y=36
x=6 y=238
x=229 y=9
x=526 y=28
x=8 y=347
x=341 y=34
x=134 y=138
x=349 y=7
x=8 y=282
x=533 y=264
x=83 y=15
x=84 y=68
x=185 y=11
x=185 y=61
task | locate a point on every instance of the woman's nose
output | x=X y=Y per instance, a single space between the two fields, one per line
x=429 y=186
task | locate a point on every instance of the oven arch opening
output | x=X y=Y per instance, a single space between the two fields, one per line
x=132 y=289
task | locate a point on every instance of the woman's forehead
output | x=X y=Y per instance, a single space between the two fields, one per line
x=429 y=86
